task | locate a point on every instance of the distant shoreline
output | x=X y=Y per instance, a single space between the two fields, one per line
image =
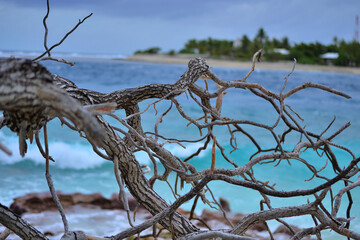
x=184 y=59
x=283 y=65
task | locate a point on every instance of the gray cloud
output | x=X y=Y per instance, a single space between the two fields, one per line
x=162 y=9
x=128 y=25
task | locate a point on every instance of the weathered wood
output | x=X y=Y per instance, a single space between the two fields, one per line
x=18 y=225
x=74 y=236
x=30 y=99
x=4 y=234
x=128 y=98
x=129 y=167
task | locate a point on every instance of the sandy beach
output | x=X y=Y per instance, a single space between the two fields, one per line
x=184 y=59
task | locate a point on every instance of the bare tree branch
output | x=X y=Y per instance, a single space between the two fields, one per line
x=18 y=225
x=215 y=235
x=5 y=234
x=30 y=97
x=48 y=50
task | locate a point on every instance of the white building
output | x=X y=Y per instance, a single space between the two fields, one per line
x=330 y=57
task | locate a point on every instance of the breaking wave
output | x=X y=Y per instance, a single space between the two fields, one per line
x=76 y=155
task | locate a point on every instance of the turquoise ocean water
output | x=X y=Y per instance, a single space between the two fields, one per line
x=78 y=169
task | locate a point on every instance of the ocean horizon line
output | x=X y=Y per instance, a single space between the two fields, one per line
x=68 y=55
x=181 y=59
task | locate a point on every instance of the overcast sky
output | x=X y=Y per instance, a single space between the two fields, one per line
x=123 y=26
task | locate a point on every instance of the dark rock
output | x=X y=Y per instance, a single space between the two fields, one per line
x=38 y=202
x=102 y=202
x=237 y=217
x=85 y=198
x=208 y=215
x=260 y=227
x=185 y=213
x=284 y=230
x=18 y=210
x=33 y=202
x=117 y=204
x=225 y=204
x=48 y=233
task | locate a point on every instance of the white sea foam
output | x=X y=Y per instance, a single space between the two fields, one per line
x=176 y=150
x=78 y=155
x=66 y=155
x=30 y=54
x=184 y=152
x=6 y=54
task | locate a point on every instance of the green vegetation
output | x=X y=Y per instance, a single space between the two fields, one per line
x=349 y=54
x=344 y=53
x=152 y=50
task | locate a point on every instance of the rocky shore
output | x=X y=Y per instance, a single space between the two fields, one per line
x=100 y=216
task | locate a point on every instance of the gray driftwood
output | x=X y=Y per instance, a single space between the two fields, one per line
x=30 y=96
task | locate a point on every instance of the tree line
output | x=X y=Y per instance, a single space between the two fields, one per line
x=348 y=53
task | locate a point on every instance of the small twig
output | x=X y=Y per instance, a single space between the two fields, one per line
x=298 y=125
x=338 y=196
x=220 y=207
x=41 y=150
x=137 y=135
x=68 y=124
x=22 y=139
x=215 y=235
x=339 y=131
x=149 y=105
x=51 y=184
x=171 y=188
x=266 y=201
x=60 y=60
x=327 y=128
x=203 y=222
x=46 y=148
x=46 y=28
x=204 y=147
x=222 y=150
x=287 y=76
x=315 y=85
x=257 y=56
x=292 y=110
x=5 y=149
x=97 y=151
x=122 y=193
x=281 y=99
x=62 y=40
x=192 y=210
x=159 y=120
x=308 y=231
x=5 y=234
x=213 y=156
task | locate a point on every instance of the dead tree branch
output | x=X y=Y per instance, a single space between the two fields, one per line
x=18 y=225
x=30 y=97
x=48 y=50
